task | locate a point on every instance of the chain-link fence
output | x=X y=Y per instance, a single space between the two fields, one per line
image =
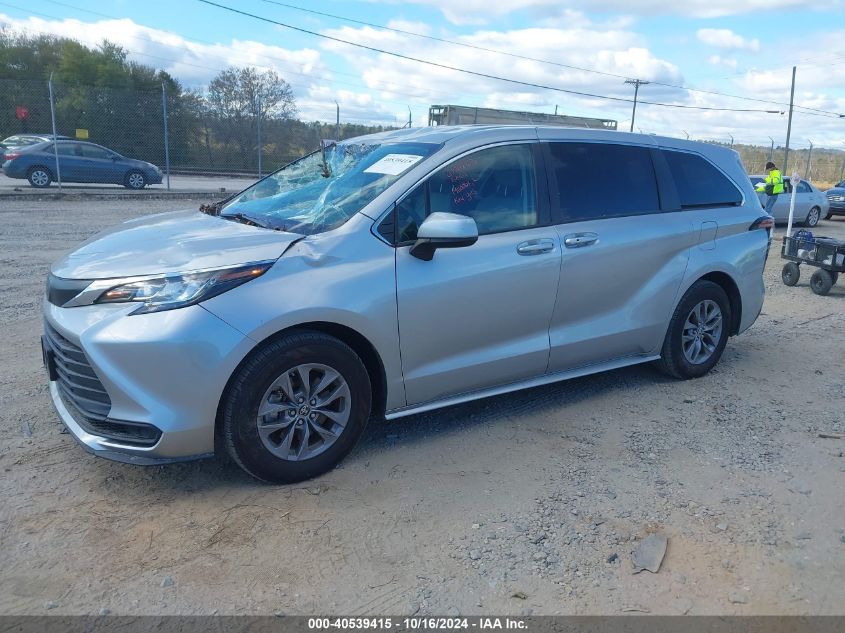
x=184 y=132
x=173 y=130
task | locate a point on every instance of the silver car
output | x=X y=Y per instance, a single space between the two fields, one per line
x=398 y=273
x=811 y=204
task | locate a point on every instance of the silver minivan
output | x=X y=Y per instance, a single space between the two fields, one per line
x=393 y=274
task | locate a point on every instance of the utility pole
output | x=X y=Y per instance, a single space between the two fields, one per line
x=555 y=110
x=772 y=150
x=789 y=126
x=636 y=83
x=809 y=156
x=410 y=119
x=337 y=123
x=732 y=140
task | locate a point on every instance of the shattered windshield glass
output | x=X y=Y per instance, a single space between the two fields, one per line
x=324 y=189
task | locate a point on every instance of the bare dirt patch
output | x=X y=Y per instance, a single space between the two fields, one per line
x=525 y=503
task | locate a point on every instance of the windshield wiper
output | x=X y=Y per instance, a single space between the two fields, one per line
x=246 y=219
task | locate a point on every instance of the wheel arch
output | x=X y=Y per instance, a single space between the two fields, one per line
x=727 y=283
x=46 y=168
x=365 y=350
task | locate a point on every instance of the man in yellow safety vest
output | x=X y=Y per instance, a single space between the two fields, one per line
x=772 y=186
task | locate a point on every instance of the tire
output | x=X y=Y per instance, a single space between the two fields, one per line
x=790 y=274
x=135 y=180
x=828 y=216
x=813 y=216
x=821 y=282
x=39 y=177
x=834 y=277
x=674 y=358
x=271 y=448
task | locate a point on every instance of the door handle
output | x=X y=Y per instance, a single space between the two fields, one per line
x=535 y=247
x=577 y=240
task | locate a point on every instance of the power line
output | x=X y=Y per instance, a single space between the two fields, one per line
x=207 y=43
x=528 y=58
x=472 y=72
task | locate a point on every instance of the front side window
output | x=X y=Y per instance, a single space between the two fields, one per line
x=496 y=187
x=592 y=181
x=803 y=187
x=94 y=151
x=323 y=190
x=699 y=183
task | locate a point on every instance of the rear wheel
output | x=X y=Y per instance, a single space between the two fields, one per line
x=296 y=407
x=821 y=282
x=135 y=180
x=697 y=333
x=790 y=274
x=813 y=217
x=39 y=177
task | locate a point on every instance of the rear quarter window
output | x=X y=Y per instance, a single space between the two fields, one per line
x=700 y=183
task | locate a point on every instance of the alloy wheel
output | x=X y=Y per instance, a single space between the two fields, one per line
x=304 y=411
x=136 y=180
x=702 y=332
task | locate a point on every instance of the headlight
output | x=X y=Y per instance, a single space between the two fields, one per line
x=177 y=291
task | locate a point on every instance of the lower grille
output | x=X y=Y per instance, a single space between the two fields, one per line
x=87 y=400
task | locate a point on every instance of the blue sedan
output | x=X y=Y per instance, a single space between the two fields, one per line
x=78 y=162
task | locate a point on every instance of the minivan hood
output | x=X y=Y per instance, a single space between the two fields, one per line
x=180 y=241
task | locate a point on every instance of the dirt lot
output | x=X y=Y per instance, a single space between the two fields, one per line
x=526 y=503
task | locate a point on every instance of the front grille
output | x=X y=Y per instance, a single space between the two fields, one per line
x=86 y=399
x=76 y=378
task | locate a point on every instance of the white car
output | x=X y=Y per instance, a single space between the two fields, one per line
x=810 y=202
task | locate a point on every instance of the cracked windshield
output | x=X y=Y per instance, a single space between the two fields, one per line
x=324 y=189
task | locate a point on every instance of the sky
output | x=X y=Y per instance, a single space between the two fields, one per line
x=686 y=49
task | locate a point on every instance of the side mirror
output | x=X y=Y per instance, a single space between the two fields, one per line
x=444 y=230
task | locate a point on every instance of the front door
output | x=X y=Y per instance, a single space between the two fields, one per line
x=478 y=316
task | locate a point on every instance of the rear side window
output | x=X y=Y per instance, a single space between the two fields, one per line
x=699 y=183
x=597 y=180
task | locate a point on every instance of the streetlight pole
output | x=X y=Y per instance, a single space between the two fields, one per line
x=772 y=150
x=636 y=83
x=809 y=156
x=789 y=125
x=732 y=140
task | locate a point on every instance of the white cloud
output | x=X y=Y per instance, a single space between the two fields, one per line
x=718 y=60
x=480 y=11
x=725 y=38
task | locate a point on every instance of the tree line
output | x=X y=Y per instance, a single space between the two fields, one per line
x=118 y=103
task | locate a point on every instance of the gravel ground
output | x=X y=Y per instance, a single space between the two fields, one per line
x=530 y=503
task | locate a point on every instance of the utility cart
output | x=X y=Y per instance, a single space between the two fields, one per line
x=825 y=253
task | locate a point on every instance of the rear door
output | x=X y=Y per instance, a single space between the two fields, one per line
x=624 y=253
x=478 y=316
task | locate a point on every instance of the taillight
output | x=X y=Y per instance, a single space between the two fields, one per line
x=764 y=222
x=10 y=156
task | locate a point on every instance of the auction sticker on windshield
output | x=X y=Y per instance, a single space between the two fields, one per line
x=393 y=164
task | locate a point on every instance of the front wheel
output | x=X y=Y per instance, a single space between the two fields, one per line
x=135 y=180
x=296 y=407
x=821 y=282
x=790 y=274
x=697 y=333
x=813 y=217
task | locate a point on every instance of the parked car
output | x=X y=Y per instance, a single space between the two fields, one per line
x=810 y=202
x=398 y=273
x=78 y=162
x=21 y=140
x=836 y=199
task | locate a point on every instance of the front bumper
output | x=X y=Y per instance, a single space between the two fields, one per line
x=837 y=207
x=166 y=369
